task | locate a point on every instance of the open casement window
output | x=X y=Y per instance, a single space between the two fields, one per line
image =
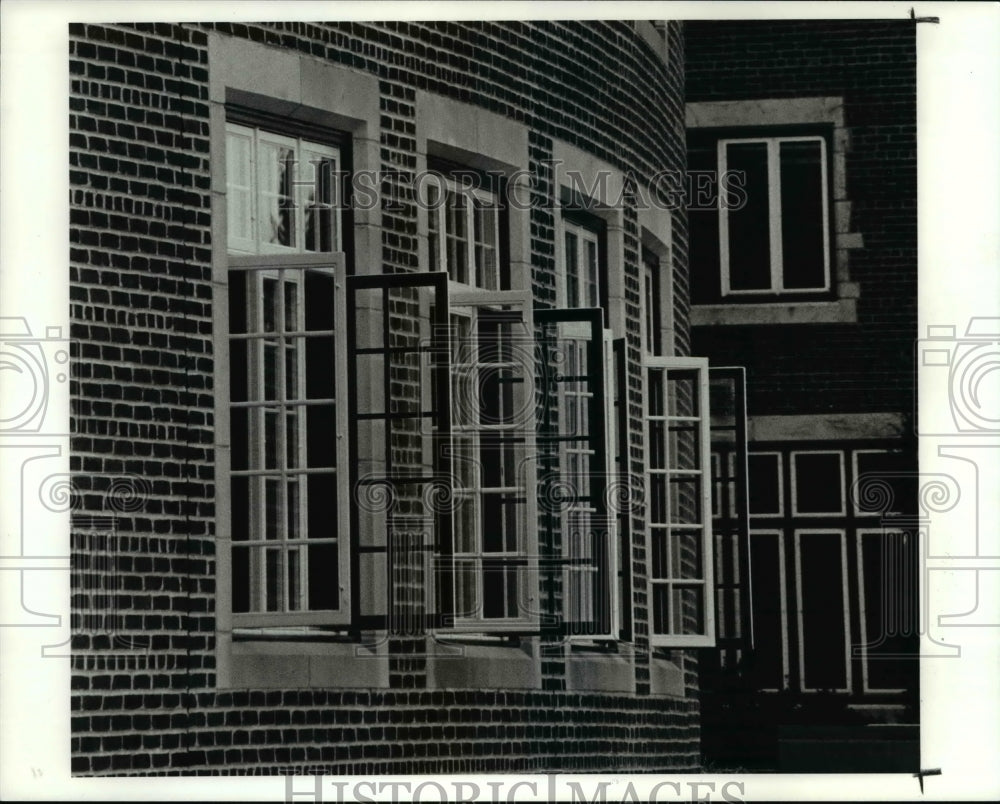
x=777 y=240
x=463 y=232
x=488 y=581
x=288 y=491
x=400 y=454
x=574 y=439
x=282 y=193
x=730 y=518
x=678 y=503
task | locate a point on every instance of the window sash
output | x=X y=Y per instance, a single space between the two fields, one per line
x=775 y=206
x=306 y=196
x=484 y=580
x=384 y=538
x=280 y=539
x=575 y=354
x=662 y=411
x=731 y=523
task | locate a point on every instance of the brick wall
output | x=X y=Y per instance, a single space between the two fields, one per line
x=144 y=697
x=867 y=366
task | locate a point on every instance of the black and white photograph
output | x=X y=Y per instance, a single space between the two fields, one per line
x=515 y=405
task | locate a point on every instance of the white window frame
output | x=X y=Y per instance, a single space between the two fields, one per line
x=856 y=474
x=465 y=303
x=267 y=266
x=439 y=212
x=305 y=152
x=793 y=472
x=845 y=603
x=780 y=513
x=583 y=235
x=774 y=216
x=704 y=473
x=611 y=583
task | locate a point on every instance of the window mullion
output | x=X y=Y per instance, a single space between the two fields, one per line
x=774 y=213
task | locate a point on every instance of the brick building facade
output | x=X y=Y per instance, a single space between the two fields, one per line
x=299 y=289
x=827 y=111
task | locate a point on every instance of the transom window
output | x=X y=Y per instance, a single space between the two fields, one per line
x=281 y=193
x=463 y=232
x=581 y=266
x=776 y=238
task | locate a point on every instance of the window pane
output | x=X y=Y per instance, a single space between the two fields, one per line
x=591 y=296
x=321 y=436
x=890 y=600
x=682 y=393
x=572 y=270
x=324 y=592
x=487 y=273
x=293 y=502
x=766 y=668
x=272 y=580
x=240 y=490
x=749 y=227
x=457 y=237
x=803 y=254
x=683 y=449
x=686 y=554
x=818 y=483
x=294 y=587
x=319 y=199
x=659 y=539
x=322 y=507
x=687 y=609
x=885 y=483
x=271 y=508
x=241 y=579
x=275 y=166
x=763 y=479
x=685 y=501
x=823 y=638
x=240 y=438
x=655 y=390
x=239 y=186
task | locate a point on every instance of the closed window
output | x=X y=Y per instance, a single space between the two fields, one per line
x=463 y=232
x=581 y=265
x=282 y=193
x=775 y=240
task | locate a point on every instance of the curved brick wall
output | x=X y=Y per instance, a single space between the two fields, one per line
x=144 y=698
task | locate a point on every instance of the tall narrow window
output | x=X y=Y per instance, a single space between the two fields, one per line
x=287 y=483
x=582 y=272
x=679 y=502
x=286 y=477
x=776 y=240
x=576 y=449
x=492 y=453
x=652 y=308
